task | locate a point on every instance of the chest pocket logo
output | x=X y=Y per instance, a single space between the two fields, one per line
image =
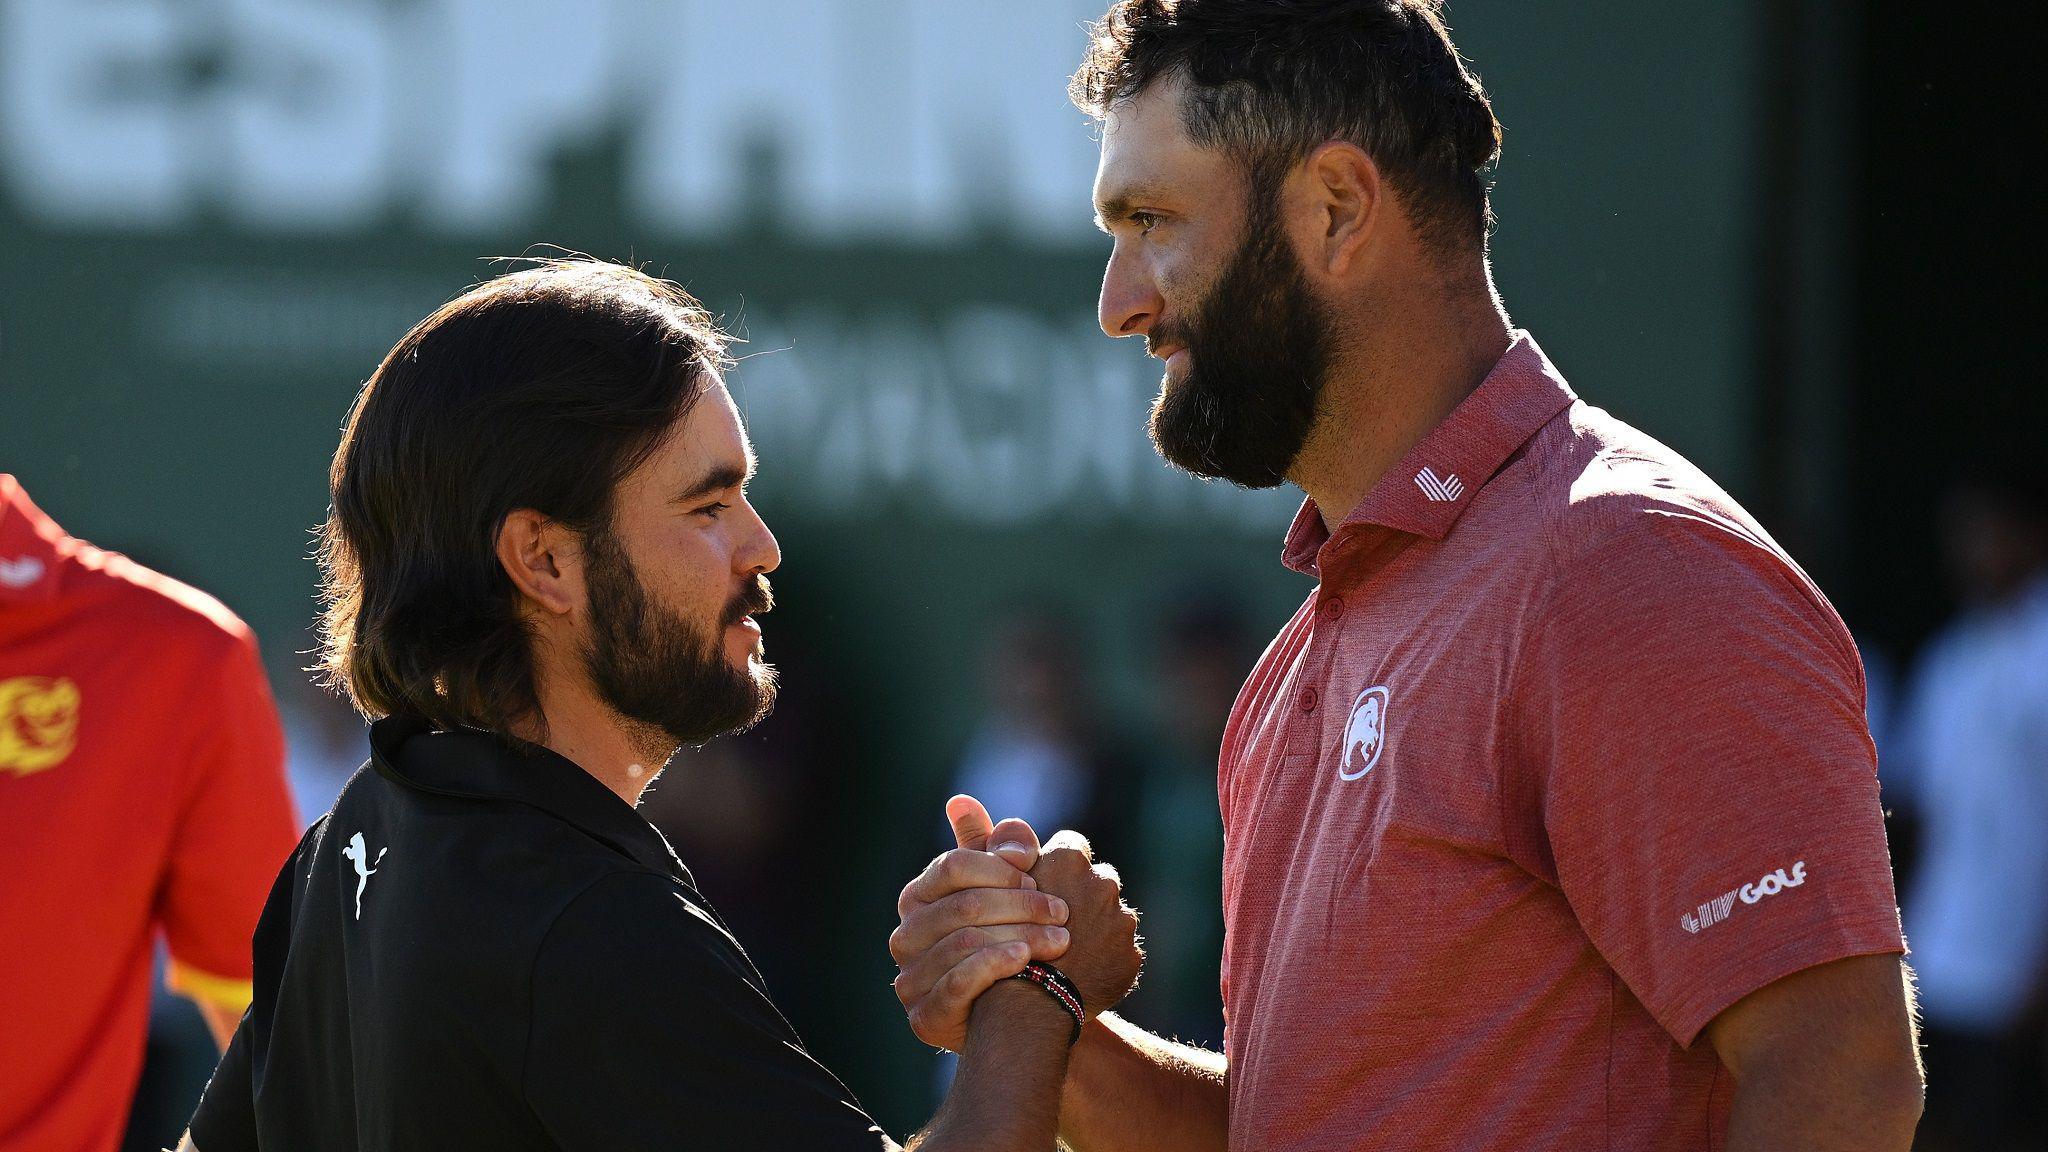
x=1365 y=733
x=38 y=723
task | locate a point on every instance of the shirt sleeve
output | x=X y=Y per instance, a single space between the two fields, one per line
x=648 y=1034
x=234 y=832
x=1709 y=785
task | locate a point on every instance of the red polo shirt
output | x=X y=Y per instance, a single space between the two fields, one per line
x=141 y=790
x=1563 y=757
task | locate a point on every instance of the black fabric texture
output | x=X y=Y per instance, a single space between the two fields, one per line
x=529 y=966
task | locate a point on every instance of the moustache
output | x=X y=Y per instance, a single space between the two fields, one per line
x=756 y=599
x=1163 y=337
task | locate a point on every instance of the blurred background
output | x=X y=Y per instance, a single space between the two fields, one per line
x=1796 y=240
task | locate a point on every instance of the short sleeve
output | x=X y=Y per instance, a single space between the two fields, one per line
x=235 y=830
x=226 y=1118
x=647 y=1033
x=1708 y=782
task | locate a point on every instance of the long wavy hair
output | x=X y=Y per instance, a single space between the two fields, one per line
x=540 y=389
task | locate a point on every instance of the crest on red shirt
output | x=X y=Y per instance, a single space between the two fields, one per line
x=38 y=723
x=1365 y=734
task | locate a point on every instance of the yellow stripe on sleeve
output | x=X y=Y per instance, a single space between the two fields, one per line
x=205 y=986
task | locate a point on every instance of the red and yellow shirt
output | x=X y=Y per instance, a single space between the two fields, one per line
x=142 y=789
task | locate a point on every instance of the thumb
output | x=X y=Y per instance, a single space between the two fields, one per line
x=970 y=821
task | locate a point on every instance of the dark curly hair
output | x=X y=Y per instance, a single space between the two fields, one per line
x=539 y=389
x=1268 y=81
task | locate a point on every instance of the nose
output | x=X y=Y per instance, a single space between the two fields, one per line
x=1130 y=303
x=759 y=554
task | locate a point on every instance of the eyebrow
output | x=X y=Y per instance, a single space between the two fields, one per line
x=1120 y=205
x=719 y=478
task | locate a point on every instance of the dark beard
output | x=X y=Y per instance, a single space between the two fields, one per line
x=1258 y=348
x=653 y=667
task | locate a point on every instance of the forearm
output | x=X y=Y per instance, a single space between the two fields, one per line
x=221 y=1020
x=1006 y=1094
x=1127 y=1089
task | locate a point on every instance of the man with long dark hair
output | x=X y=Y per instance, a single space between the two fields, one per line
x=1551 y=818
x=542 y=573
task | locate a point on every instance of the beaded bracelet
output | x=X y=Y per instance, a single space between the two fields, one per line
x=1060 y=988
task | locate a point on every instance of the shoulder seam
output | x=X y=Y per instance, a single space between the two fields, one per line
x=533 y=961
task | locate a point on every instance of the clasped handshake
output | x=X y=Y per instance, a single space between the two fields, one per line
x=983 y=911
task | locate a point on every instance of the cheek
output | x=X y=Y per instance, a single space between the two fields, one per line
x=695 y=574
x=1182 y=283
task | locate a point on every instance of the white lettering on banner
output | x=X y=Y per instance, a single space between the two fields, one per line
x=519 y=82
x=1718 y=909
x=849 y=116
x=983 y=415
x=85 y=135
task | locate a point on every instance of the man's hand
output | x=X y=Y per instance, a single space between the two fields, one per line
x=971 y=918
x=1104 y=958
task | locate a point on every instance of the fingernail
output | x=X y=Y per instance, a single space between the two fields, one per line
x=1030 y=885
x=1012 y=848
x=1059 y=910
x=1058 y=936
x=1016 y=950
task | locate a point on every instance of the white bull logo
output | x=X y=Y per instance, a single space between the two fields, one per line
x=1365 y=734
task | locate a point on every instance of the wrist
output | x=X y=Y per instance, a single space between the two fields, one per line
x=1012 y=1066
x=1061 y=990
x=1018 y=1009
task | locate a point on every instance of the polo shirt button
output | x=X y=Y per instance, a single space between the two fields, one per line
x=1333 y=607
x=1308 y=699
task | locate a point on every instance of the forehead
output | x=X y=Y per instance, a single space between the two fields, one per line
x=709 y=434
x=1147 y=152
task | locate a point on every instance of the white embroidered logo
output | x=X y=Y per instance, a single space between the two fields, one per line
x=1365 y=734
x=20 y=572
x=358 y=854
x=1718 y=909
x=1442 y=490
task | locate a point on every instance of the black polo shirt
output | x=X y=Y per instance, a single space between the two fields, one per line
x=484 y=947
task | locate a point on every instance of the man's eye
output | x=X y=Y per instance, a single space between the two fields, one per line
x=711 y=510
x=1144 y=221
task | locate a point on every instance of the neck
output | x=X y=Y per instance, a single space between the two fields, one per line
x=618 y=753
x=1400 y=369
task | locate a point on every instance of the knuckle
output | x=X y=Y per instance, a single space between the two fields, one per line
x=969 y=904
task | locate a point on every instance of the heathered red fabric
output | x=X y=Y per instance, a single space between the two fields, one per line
x=1562 y=757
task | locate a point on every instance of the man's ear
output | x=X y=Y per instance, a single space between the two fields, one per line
x=1350 y=197
x=544 y=559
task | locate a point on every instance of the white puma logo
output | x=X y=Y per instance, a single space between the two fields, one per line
x=359 y=854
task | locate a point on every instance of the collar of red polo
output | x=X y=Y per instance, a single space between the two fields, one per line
x=1433 y=485
x=31 y=546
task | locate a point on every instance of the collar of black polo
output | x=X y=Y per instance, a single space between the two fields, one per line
x=410 y=752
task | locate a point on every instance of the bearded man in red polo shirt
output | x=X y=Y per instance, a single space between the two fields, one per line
x=1551 y=818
